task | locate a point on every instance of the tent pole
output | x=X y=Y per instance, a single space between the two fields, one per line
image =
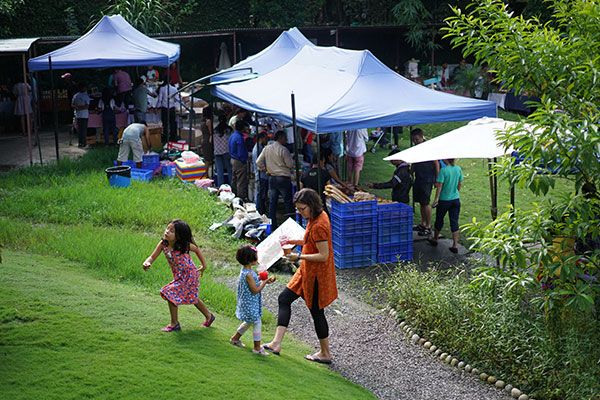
x=27 y=116
x=191 y=115
x=168 y=127
x=295 y=142
x=495 y=204
x=318 y=162
x=54 y=110
x=37 y=131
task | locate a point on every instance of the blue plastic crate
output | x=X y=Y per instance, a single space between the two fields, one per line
x=151 y=166
x=394 y=258
x=345 y=210
x=394 y=213
x=143 y=175
x=119 y=181
x=395 y=251
x=354 y=226
x=169 y=170
x=356 y=260
x=151 y=159
x=346 y=240
x=356 y=248
x=388 y=234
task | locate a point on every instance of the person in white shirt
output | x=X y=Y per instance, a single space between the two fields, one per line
x=356 y=147
x=132 y=139
x=167 y=100
x=81 y=104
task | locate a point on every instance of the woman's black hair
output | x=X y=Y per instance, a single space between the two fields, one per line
x=311 y=199
x=246 y=254
x=183 y=236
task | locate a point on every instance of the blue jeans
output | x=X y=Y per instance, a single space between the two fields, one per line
x=262 y=193
x=222 y=164
x=279 y=185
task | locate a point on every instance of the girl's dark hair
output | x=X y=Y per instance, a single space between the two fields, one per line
x=246 y=254
x=311 y=199
x=107 y=95
x=183 y=236
x=450 y=161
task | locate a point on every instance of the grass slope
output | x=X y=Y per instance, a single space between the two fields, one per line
x=66 y=334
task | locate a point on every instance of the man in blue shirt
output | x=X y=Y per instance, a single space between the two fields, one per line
x=239 y=161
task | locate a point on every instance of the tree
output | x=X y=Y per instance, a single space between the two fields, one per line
x=147 y=16
x=557 y=243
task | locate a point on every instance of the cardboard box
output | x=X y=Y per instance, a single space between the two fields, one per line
x=155 y=141
x=189 y=174
x=184 y=133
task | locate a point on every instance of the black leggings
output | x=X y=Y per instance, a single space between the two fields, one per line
x=287 y=297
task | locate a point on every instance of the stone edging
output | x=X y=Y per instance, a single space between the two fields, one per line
x=455 y=362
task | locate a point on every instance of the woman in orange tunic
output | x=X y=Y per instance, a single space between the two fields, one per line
x=314 y=281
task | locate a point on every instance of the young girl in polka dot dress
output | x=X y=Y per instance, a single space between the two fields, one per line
x=176 y=244
x=249 y=299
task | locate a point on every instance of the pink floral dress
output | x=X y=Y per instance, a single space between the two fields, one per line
x=184 y=287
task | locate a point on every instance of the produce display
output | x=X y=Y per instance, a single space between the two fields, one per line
x=345 y=194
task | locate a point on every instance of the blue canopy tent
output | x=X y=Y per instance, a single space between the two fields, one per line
x=334 y=89
x=112 y=42
x=337 y=89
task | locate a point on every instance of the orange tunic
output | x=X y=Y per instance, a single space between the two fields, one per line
x=303 y=281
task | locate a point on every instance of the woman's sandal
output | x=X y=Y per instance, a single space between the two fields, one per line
x=260 y=352
x=171 y=328
x=268 y=348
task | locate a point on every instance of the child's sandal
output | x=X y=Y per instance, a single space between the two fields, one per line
x=237 y=343
x=171 y=328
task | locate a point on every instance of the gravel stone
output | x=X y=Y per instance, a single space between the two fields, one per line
x=427 y=345
x=421 y=342
x=523 y=397
x=515 y=393
x=468 y=368
x=454 y=362
x=437 y=352
x=491 y=379
x=508 y=387
x=500 y=384
x=483 y=376
x=415 y=338
x=433 y=348
x=368 y=346
x=475 y=371
x=443 y=356
x=461 y=365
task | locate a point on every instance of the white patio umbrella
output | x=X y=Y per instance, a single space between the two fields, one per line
x=224 y=61
x=477 y=139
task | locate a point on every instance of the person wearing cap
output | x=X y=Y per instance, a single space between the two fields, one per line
x=400 y=183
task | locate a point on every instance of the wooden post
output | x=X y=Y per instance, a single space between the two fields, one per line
x=27 y=116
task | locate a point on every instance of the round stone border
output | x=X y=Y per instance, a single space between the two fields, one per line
x=449 y=359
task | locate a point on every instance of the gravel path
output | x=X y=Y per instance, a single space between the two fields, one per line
x=370 y=349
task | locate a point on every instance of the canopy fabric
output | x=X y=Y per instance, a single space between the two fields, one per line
x=112 y=42
x=477 y=139
x=337 y=89
x=16 y=45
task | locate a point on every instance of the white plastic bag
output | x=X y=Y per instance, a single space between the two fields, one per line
x=190 y=157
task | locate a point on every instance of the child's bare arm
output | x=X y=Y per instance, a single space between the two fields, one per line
x=152 y=256
x=252 y=284
x=198 y=253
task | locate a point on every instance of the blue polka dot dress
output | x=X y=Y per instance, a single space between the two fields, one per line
x=249 y=306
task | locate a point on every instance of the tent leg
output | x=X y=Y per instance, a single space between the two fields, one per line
x=493 y=191
x=294 y=127
x=512 y=195
x=318 y=163
x=54 y=110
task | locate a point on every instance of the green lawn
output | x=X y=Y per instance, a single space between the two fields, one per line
x=475 y=195
x=68 y=334
x=79 y=318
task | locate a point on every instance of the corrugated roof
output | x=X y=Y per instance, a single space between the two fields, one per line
x=16 y=45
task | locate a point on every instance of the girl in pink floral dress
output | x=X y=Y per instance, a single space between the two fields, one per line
x=177 y=243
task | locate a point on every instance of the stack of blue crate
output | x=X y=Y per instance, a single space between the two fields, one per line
x=354 y=232
x=394 y=233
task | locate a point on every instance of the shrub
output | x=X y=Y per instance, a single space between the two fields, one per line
x=500 y=331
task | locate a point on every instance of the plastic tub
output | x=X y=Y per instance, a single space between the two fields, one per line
x=119 y=176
